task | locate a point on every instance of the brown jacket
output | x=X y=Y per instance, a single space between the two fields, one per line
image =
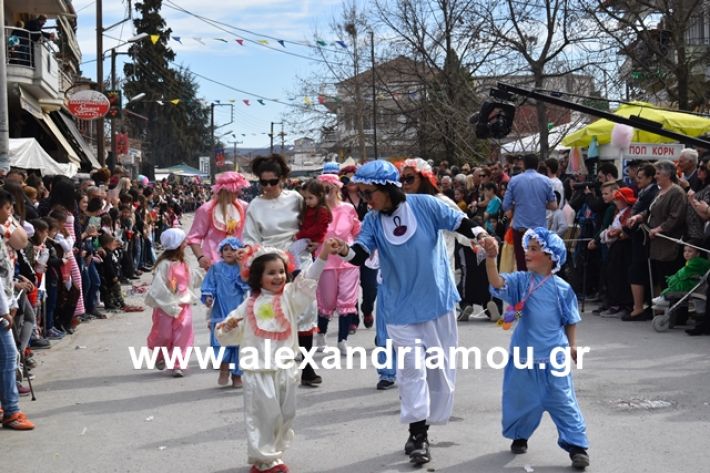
x=668 y=211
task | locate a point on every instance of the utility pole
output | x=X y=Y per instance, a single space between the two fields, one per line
x=351 y=29
x=100 y=79
x=112 y=119
x=283 y=135
x=4 y=121
x=374 y=95
x=213 y=166
x=271 y=137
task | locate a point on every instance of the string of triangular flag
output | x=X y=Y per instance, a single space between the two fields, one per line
x=308 y=101
x=319 y=43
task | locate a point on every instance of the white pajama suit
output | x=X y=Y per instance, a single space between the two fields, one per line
x=269 y=391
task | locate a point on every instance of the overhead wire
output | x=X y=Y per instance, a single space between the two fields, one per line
x=217 y=25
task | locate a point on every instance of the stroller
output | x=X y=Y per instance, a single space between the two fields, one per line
x=695 y=297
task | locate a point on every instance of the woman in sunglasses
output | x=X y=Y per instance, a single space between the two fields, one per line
x=272 y=217
x=273 y=220
x=417 y=297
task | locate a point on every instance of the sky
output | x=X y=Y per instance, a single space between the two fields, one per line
x=250 y=68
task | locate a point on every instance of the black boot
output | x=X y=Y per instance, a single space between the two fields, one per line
x=417 y=446
x=414 y=429
x=579 y=457
x=420 y=454
x=519 y=446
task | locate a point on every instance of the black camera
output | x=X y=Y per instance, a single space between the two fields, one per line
x=581 y=185
x=495 y=120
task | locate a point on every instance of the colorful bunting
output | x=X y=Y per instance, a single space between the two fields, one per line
x=154 y=38
x=221 y=39
x=261 y=101
x=264 y=42
x=177 y=38
x=240 y=41
x=321 y=99
x=307 y=101
x=246 y=102
x=321 y=42
x=281 y=42
x=175 y=101
x=342 y=43
x=199 y=40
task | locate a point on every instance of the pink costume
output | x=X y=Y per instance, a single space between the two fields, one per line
x=75 y=273
x=339 y=285
x=171 y=297
x=211 y=225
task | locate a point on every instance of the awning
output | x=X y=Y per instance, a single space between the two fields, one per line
x=26 y=153
x=54 y=130
x=84 y=148
x=30 y=104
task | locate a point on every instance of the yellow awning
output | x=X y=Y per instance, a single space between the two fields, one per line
x=679 y=122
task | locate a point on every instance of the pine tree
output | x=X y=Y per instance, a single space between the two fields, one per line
x=175 y=132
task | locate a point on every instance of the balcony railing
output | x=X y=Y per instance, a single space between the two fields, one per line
x=31 y=62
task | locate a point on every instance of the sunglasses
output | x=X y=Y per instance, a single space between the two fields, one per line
x=269 y=182
x=407 y=179
x=367 y=195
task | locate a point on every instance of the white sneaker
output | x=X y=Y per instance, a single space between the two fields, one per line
x=493 y=311
x=319 y=341
x=660 y=301
x=466 y=313
x=177 y=373
x=343 y=347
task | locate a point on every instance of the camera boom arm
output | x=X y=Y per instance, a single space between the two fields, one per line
x=644 y=124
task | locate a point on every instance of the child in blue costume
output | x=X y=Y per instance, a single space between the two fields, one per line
x=223 y=290
x=546 y=309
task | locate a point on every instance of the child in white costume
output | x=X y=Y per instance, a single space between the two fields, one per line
x=263 y=325
x=171 y=297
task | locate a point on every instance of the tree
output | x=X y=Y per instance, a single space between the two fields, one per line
x=663 y=41
x=343 y=100
x=178 y=125
x=446 y=47
x=540 y=41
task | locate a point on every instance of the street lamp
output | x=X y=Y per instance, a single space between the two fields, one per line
x=132 y=39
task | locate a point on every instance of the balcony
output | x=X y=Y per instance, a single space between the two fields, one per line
x=32 y=64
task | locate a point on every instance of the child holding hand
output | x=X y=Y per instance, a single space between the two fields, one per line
x=545 y=307
x=266 y=324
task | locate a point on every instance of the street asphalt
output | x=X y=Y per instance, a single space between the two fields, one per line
x=645 y=397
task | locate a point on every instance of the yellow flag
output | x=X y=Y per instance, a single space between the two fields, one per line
x=307 y=101
x=175 y=101
x=263 y=41
x=154 y=38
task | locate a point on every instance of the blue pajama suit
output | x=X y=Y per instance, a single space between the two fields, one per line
x=226 y=286
x=528 y=393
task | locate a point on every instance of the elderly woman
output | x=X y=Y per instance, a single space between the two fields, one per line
x=273 y=220
x=417 y=297
x=665 y=215
x=221 y=217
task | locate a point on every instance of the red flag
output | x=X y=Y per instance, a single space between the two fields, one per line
x=321 y=99
x=240 y=41
x=246 y=102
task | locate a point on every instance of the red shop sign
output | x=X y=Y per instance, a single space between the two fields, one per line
x=88 y=105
